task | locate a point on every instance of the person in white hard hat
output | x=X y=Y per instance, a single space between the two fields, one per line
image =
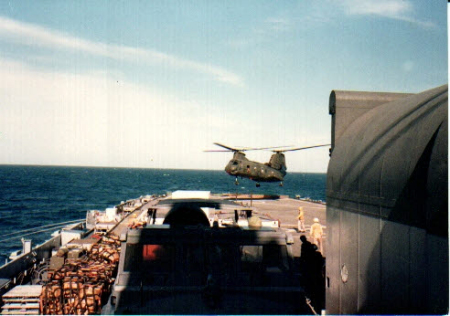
x=316 y=233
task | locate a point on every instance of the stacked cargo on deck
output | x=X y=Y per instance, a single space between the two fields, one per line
x=81 y=285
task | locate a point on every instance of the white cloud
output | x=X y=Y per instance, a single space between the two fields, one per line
x=394 y=9
x=385 y=8
x=90 y=119
x=37 y=36
x=279 y=24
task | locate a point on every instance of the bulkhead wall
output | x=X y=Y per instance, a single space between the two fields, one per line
x=387 y=210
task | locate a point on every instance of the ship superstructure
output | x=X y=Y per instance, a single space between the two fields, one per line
x=189 y=252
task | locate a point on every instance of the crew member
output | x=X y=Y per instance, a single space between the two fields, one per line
x=301 y=220
x=316 y=234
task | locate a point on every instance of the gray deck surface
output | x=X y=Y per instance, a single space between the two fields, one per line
x=285 y=210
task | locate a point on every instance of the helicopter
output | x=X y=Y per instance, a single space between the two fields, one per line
x=272 y=171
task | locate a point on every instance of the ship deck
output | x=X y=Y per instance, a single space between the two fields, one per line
x=286 y=211
x=283 y=209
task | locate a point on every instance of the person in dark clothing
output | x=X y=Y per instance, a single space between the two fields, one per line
x=307 y=247
x=311 y=269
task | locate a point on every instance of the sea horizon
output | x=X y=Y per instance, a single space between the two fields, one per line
x=33 y=196
x=122 y=167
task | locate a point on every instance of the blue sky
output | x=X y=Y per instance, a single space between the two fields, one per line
x=154 y=83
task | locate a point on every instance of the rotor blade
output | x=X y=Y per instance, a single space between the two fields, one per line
x=216 y=151
x=301 y=148
x=263 y=148
x=248 y=148
x=226 y=147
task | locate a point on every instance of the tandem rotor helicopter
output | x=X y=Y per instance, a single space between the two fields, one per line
x=272 y=171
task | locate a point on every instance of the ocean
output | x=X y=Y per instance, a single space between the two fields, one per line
x=36 y=198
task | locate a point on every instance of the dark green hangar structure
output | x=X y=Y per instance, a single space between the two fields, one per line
x=387 y=203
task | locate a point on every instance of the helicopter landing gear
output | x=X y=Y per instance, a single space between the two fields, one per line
x=236 y=182
x=258 y=185
x=281 y=184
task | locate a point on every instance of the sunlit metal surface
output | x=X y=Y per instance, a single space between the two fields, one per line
x=387 y=204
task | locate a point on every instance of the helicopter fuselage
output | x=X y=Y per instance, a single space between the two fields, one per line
x=273 y=171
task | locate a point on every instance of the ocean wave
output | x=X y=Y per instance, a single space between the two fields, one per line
x=37 y=196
